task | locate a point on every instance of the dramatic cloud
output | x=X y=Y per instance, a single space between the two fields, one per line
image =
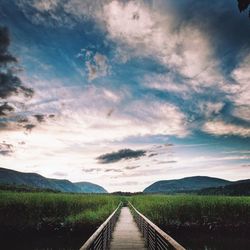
x=10 y=84
x=148 y=32
x=113 y=74
x=140 y=117
x=5 y=108
x=123 y=154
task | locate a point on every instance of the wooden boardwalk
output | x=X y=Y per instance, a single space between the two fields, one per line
x=126 y=235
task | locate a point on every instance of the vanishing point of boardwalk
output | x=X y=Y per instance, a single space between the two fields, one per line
x=126 y=234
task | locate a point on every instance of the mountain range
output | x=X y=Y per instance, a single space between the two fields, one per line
x=203 y=185
x=200 y=185
x=12 y=177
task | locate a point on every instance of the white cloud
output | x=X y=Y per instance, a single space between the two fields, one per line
x=242 y=111
x=45 y=5
x=220 y=158
x=221 y=128
x=148 y=32
x=165 y=82
x=241 y=74
x=241 y=90
x=210 y=108
x=95 y=114
x=97 y=66
x=140 y=30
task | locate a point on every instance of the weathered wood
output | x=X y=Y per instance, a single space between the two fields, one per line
x=126 y=234
x=100 y=238
x=158 y=237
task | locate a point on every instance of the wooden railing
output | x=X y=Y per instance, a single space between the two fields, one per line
x=155 y=238
x=100 y=239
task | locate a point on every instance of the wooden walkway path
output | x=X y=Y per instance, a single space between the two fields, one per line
x=126 y=235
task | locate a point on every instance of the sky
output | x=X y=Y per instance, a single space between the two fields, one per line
x=125 y=93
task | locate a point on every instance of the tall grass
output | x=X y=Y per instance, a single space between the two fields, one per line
x=34 y=210
x=188 y=209
x=42 y=210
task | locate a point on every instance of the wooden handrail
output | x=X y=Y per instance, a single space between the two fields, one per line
x=155 y=237
x=100 y=239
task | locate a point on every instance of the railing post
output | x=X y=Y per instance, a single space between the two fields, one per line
x=102 y=240
x=103 y=233
x=147 y=237
x=155 y=240
x=109 y=227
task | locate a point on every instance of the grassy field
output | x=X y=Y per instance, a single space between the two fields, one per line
x=41 y=210
x=56 y=220
x=193 y=209
x=21 y=211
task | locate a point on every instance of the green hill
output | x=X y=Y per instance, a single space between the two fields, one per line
x=236 y=188
x=11 y=177
x=185 y=184
x=88 y=187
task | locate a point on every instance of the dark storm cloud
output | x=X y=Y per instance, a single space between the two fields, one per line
x=40 y=118
x=123 y=154
x=23 y=120
x=227 y=31
x=5 y=56
x=29 y=127
x=243 y=5
x=10 y=84
x=5 y=108
x=6 y=149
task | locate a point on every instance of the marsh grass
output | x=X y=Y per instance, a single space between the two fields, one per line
x=193 y=209
x=55 y=211
x=20 y=211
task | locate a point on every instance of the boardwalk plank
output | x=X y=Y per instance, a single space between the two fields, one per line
x=126 y=234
